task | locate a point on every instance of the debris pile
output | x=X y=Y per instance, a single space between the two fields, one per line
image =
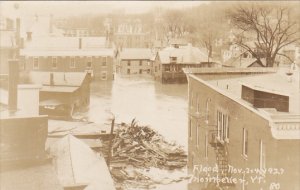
x=141 y=146
x=137 y=151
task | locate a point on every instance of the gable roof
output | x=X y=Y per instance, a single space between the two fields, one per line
x=76 y=163
x=184 y=55
x=243 y=62
x=135 y=53
x=70 y=79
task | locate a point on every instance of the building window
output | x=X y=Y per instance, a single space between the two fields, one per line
x=206 y=145
x=104 y=61
x=190 y=128
x=198 y=103
x=89 y=62
x=141 y=62
x=207 y=110
x=72 y=62
x=54 y=62
x=128 y=71
x=192 y=99
x=245 y=142
x=167 y=68
x=262 y=155
x=35 y=63
x=128 y=63
x=155 y=68
x=222 y=125
x=197 y=135
x=103 y=75
x=140 y=71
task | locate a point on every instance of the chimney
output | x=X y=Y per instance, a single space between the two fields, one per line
x=18 y=37
x=80 y=43
x=18 y=25
x=13 y=76
x=51 y=79
x=21 y=43
x=29 y=36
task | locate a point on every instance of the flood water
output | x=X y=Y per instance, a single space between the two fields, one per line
x=160 y=106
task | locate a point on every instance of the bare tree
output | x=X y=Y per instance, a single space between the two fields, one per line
x=271 y=27
x=175 y=25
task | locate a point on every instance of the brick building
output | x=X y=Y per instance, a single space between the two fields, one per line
x=68 y=54
x=243 y=128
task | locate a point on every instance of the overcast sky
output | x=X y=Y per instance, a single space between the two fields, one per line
x=67 y=8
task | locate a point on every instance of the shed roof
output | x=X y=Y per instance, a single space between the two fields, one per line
x=76 y=163
x=135 y=53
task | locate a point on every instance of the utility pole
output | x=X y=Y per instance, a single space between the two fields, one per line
x=111 y=136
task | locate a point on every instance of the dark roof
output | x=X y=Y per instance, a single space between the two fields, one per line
x=34 y=177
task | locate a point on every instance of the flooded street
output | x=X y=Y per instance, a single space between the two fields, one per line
x=160 y=106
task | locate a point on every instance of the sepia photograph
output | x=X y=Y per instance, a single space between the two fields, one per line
x=149 y=95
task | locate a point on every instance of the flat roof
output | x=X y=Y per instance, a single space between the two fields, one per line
x=284 y=125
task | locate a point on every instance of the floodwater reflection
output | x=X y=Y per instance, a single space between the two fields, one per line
x=161 y=106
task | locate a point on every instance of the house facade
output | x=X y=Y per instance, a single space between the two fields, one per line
x=134 y=61
x=241 y=135
x=168 y=63
x=69 y=54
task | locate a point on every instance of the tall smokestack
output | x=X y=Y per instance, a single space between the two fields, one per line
x=13 y=77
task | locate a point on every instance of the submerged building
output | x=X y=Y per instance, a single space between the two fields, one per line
x=243 y=129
